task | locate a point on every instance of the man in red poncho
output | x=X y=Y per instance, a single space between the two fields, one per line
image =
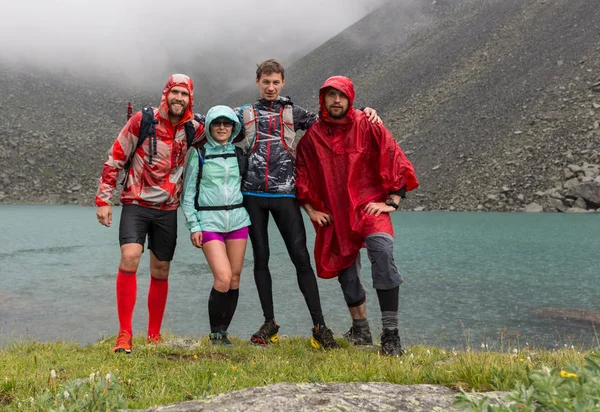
x=350 y=174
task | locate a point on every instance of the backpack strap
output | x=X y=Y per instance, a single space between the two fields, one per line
x=201 y=161
x=147 y=128
x=249 y=119
x=288 y=134
x=189 y=133
x=242 y=159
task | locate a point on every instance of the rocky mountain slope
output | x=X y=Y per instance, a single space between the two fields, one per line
x=493 y=101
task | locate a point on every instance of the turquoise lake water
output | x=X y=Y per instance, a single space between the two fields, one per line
x=470 y=278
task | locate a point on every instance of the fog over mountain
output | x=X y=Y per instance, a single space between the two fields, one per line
x=141 y=42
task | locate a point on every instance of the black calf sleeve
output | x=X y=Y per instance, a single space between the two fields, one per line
x=217 y=302
x=388 y=299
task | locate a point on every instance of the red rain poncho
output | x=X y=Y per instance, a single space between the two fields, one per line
x=341 y=167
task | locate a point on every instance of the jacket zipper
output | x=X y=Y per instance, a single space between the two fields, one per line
x=226 y=193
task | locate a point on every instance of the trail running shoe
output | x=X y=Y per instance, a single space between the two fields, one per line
x=123 y=342
x=359 y=337
x=266 y=334
x=154 y=340
x=322 y=337
x=215 y=338
x=224 y=339
x=390 y=343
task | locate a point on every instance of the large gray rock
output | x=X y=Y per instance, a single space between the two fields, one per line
x=353 y=396
x=590 y=191
x=551 y=204
x=534 y=208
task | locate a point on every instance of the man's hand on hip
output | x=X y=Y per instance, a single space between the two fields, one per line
x=378 y=208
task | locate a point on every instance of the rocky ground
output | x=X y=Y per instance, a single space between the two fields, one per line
x=371 y=396
x=496 y=102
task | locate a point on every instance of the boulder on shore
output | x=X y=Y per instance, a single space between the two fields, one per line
x=371 y=396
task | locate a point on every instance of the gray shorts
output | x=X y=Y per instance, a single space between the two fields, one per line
x=380 y=249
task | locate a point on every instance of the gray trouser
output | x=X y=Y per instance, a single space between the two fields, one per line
x=380 y=249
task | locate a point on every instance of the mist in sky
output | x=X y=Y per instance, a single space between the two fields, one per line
x=143 y=41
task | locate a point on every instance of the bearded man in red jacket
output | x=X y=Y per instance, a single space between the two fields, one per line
x=350 y=175
x=150 y=199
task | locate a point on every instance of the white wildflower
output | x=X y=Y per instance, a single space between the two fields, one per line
x=528 y=359
x=66 y=394
x=92 y=376
x=19 y=406
x=572 y=347
x=53 y=374
x=526 y=343
x=412 y=356
x=515 y=351
x=483 y=346
x=546 y=370
x=31 y=400
x=215 y=374
x=108 y=377
x=428 y=352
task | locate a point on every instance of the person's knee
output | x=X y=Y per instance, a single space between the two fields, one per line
x=234 y=283
x=130 y=257
x=380 y=247
x=261 y=258
x=160 y=269
x=223 y=280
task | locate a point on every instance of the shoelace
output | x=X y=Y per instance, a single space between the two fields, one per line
x=265 y=329
x=327 y=337
x=123 y=338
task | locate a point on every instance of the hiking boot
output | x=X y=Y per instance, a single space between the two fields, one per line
x=215 y=338
x=359 y=337
x=323 y=338
x=123 y=342
x=153 y=340
x=224 y=339
x=390 y=343
x=266 y=334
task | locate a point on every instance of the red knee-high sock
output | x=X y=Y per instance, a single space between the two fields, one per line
x=126 y=296
x=157 y=300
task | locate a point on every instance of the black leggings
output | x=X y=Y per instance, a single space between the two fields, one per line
x=288 y=219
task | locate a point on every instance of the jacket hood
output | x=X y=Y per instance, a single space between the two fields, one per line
x=221 y=111
x=342 y=84
x=177 y=80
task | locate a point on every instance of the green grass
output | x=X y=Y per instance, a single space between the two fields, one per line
x=161 y=374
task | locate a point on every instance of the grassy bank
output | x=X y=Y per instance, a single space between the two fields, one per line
x=188 y=369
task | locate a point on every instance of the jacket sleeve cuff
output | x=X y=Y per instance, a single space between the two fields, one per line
x=401 y=192
x=100 y=202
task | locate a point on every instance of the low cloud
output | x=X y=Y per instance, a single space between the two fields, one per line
x=142 y=41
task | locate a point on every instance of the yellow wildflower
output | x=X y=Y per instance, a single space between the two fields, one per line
x=233 y=368
x=195 y=356
x=566 y=374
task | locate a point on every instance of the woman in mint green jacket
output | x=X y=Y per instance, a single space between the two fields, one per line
x=213 y=207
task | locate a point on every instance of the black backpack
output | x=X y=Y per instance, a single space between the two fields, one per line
x=242 y=160
x=148 y=128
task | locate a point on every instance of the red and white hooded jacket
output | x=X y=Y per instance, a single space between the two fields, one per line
x=157 y=185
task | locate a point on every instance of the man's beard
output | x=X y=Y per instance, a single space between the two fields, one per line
x=339 y=116
x=173 y=111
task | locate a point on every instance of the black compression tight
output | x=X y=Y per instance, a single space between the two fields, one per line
x=288 y=219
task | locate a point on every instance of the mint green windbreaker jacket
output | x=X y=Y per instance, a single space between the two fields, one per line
x=220 y=184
